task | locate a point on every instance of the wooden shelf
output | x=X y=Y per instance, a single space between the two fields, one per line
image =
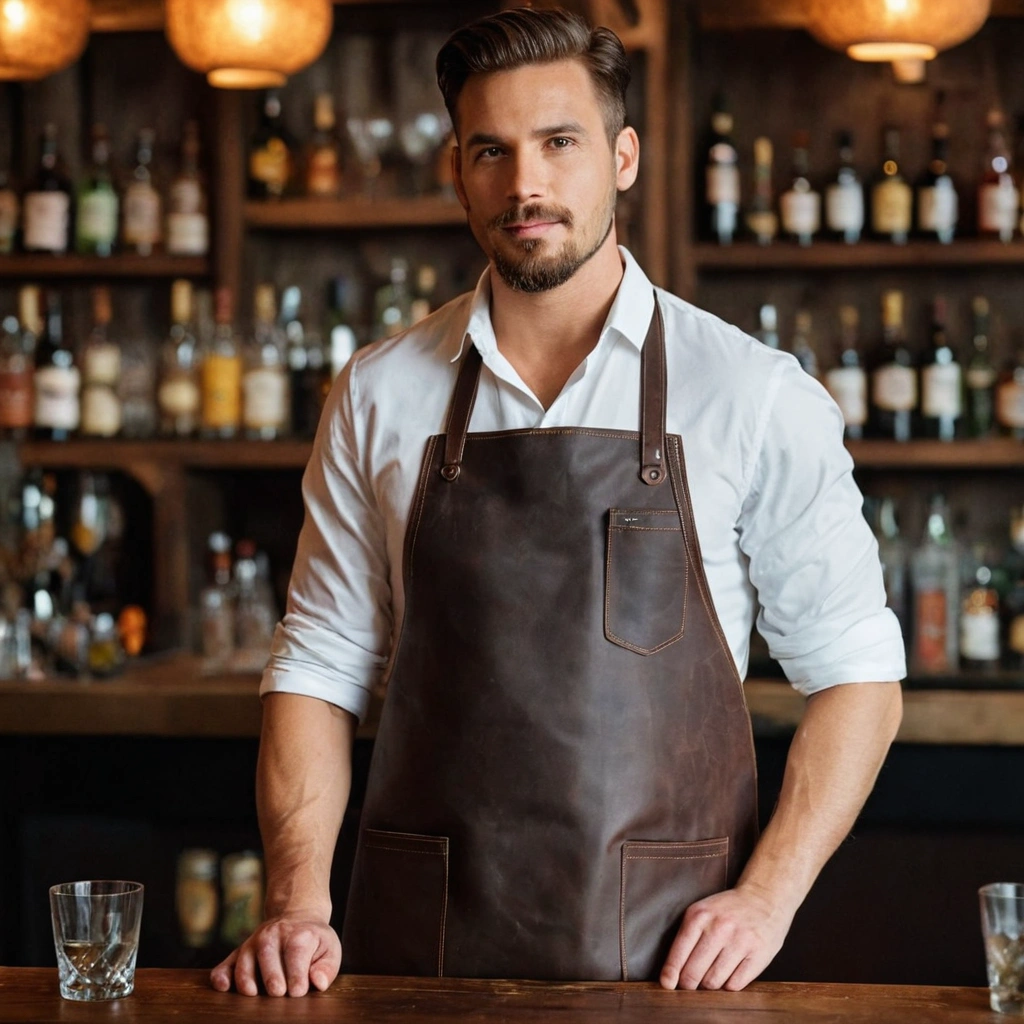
x=42 y=265
x=358 y=212
x=994 y=453
x=783 y=255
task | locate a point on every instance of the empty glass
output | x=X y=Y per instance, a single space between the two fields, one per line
x=96 y=937
x=1002 y=925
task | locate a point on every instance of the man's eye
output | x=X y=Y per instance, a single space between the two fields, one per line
x=561 y=142
x=490 y=151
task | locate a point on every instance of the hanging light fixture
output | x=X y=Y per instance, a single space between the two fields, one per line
x=39 y=37
x=248 y=44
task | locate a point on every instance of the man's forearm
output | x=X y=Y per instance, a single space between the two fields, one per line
x=302 y=787
x=833 y=762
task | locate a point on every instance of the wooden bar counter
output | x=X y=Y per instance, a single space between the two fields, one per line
x=29 y=996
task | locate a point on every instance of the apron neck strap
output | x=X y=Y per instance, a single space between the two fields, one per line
x=652 y=406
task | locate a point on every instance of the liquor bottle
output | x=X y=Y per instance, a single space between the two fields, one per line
x=1012 y=612
x=392 y=302
x=762 y=222
x=17 y=365
x=102 y=413
x=270 y=154
x=893 y=376
x=188 y=224
x=342 y=338
x=138 y=384
x=981 y=375
x=847 y=383
x=800 y=204
x=802 y=346
x=935 y=571
x=722 y=176
x=891 y=196
x=221 y=374
x=9 y=212
x=57 y=382
x=254 y=619
x=265 y=379
x=938 y=206
x=1010 y=397
x=96 y=216
x=844 y=197
x=46 y=207
x=324 y=157
x=142 y=204
x=217 y=606
x=768 y=329
x=894 y=558
x=979 y=617
x=178 y=391
x=998 y=199
x=426 y=285
x=941 y=382
x=304 y=359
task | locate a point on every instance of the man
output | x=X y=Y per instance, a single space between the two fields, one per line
x=563 y=779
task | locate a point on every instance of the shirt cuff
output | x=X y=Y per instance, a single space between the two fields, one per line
x=343 y=693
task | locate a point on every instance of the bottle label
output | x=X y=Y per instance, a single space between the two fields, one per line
x=141 y=215
x=222 y=391
x=981 y=377
x=101 y=411
x=723 y=184
x=890 y=208
x=15 y=399
x=323 y=173
x=271 y=165
x=186 y=196
x=57 y=397
x=938 y=207
x=1010 y=404
x=849 y=390
x=8 y=219
x=844 y=207
x=178 y=397
x=188 y=234
x=97 y=217
x=930 y=644
x=101 y=364
x=265 y=398
x=894 y=388
x=997 y=207
x=941 y=390
x=46 y=221
x=801 y=212
x=979 y=634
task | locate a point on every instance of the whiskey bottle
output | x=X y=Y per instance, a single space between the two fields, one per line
x=17 y=365
x=188 y=224
x=893 y=375
x=324 y=157
x=57 y=381
x=265 y=380
x=800 y=204
x=96 y=219
x=802 y=346
x=47 y=201
x=270 y=154
x=937 y=204
x=847 y=382
x=221 y=374
x=935 y=570
x=102 y=413
x=891 y=196
x=393 y=303
x=844 y=197
x=10 y=209
x=941 y=382
x=998 y=199
x=981 y=374
x=722 y=176
x=177 y=394
x=1010 y=398
x=762 y=222
x=143 y=208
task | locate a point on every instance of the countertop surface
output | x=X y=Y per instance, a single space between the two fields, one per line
x=29 y=996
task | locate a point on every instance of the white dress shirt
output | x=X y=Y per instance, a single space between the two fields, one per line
x=777 y=511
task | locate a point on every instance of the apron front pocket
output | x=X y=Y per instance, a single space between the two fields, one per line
x=658 y=882
x=398 y=904
x=645 y=579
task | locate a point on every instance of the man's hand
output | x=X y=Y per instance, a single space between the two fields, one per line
x=289 y=952
x=725 y=941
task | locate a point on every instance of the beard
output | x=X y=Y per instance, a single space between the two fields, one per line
x=528 y=270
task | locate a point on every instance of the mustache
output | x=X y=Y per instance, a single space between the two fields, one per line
x=532 y=212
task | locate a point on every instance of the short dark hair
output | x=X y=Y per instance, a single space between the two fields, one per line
x=522 y=36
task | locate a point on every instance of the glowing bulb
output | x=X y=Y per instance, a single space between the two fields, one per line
x=15 y=14
x=897 y=6
x=249 y=17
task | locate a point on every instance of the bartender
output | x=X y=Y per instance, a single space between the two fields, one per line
x=546 y=517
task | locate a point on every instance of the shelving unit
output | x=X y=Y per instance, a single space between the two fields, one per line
x=359 y=212
x=28 y=265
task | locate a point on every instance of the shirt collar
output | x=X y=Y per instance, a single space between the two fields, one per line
x=629 y=317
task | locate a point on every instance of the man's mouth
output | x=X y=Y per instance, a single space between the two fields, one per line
x=530 y=228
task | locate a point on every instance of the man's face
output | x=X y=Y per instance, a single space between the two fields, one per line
x=535 y=171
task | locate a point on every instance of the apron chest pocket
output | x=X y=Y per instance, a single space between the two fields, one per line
x=658 y=882
x=645 y=579
x=395 y=920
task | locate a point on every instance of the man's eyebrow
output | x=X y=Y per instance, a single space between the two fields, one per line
x=567 y=128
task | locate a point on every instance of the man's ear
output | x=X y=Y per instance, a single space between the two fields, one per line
x=627 y=158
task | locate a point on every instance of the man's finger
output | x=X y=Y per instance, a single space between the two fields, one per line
x=220 y=976
x=723 y=967
x=746 y=971
x=699 y=961
x=326 y=963
x=268 y=954
x=299 y=949
x=245 y=971
x=688 y=937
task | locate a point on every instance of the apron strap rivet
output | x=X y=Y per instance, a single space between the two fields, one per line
x=451 y=471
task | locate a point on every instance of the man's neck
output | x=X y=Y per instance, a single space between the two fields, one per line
x=546 y=335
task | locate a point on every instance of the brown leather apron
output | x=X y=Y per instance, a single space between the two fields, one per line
x=564 y=761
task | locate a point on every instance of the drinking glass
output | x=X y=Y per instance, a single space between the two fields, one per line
x=96 y=936
x=1002 y=925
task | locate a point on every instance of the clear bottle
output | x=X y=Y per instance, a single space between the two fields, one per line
x=221 y=374
x=894 y=556
x=217 y=606
x=57 y=382
x=722 y=176
x=768 y=326
x=938 y=207
x=762 y=221
x=188 y=223
x=998 y=198
x=10 y=211
x=979 y=617
x=844 y=197
x=254 y=621
x=46 y=206
x=981 y=374
x=178 y=395
x=97 y=208
x=143 y=207
x=891 y=196
x=393 y=303
x=426 y=285
x=270 y=153
x=941 y=382
x=847 y=383
x=265 y=397
x=801 y=204
x=893 y=375
x=17 y=365
x=802 y=346
x=342 y=341
x=324 y=155
x=102 y=414
x=935 y=570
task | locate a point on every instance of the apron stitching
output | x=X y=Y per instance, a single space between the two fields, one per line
x=675 y=856
x=622 y=919
x=428 y=461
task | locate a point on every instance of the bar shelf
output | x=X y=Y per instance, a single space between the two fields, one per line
x=354 y=213
x=100 y=268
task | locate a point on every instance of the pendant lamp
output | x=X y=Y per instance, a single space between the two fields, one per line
x=39 y=37
x=248 y=44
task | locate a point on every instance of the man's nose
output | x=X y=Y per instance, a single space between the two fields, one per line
x=527 y=177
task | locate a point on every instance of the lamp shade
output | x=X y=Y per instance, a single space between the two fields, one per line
x=39 y=37
x=895 y=29
x=248 y=44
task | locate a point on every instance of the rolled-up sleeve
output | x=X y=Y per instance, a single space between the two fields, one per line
x=333 y=640
x=812 y=557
